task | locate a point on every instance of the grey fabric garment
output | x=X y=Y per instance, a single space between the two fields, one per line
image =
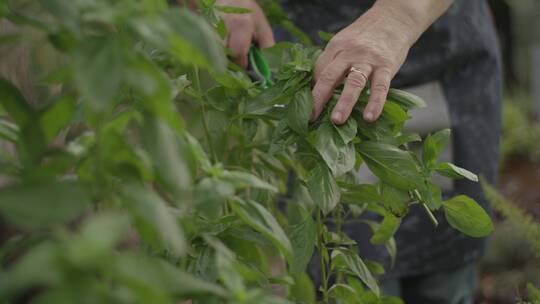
x=454 y=286
x=459 y=50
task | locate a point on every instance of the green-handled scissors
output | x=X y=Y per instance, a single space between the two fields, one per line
x=258 y=69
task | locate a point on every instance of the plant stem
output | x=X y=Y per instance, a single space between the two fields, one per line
x=320 y=244
x=426 y=208
x=197 y=84
x=431 y=215
x=338 y=215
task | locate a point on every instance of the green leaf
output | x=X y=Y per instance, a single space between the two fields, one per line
x=210 y=195
x=343 y=293
x=325 y=36
x=302 y=236
x=14 y=103
x=194 y=38
x=360 y=194
x=169 y=160
x=99 y=70
x=242 y=180
x=465 y=215
x=347 y=131
x=434 y=145
x=533 y=293
x=455 y=172
x=232 y=9
x=405 y=99
x=374 y=267
x=299 y=110
x=431 y=195
x=323 y=189
x=93 y=246
x=391 y=300
x=395 y=200
x=391 y=164
x=260 y=219
x=302 y=291
x=155 y=221
x=198 y=152
x=407 y=138
x=390 y=245
x=9 y=131
x=142 y=274
x=43 y=205
x=56 y=117
x=339 y=157
x=386 y=229
x=394 y=113
x=351 y=262
x=38 y=267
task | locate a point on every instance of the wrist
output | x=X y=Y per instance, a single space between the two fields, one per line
x=411 y=17
x=392 y=24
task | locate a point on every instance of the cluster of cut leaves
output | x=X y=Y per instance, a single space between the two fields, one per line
x=178 y=178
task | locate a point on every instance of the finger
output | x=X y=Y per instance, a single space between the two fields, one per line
x=265 y=35
x=327 y=56
x=324 y=87
x=355 y=83
x=239 y=42
x=380 y=84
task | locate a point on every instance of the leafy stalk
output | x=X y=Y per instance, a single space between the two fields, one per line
x=322 y=263
x=197 y=84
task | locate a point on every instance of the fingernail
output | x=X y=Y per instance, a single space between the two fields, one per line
x=336 y=117
x=368 y=116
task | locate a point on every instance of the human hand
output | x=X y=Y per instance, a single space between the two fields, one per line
x=245 y=28
x=372 y=48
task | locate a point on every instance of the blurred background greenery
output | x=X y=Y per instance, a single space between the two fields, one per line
x=513 y=258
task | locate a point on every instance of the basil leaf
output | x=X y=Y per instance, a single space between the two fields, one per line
x=299 y=110
x=465 y=215
x=360 y=194
x=347 y=131
x=323 y=189
x=14 y=103
x=431 y=195
x=394 y=113
x=241 y=180
x=405 y=99
x=42 y=205
x=455 y=172
x=407 y=138
x=154 y=220
x=343 y=293
x=261 y=220
x=395 y=200
x=386 y=229
x=391 y=164
x=434 y=145
x=232 y=9
x=350 y=261
x=302 y=236
x=339 y=157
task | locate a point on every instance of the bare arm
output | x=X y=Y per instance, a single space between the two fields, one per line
x=372 y=48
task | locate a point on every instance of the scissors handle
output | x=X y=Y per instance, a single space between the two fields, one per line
x=259 y=69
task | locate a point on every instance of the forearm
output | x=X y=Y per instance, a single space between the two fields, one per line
x=416 y=15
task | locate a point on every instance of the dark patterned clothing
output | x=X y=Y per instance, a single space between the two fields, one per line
x=460 y=51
